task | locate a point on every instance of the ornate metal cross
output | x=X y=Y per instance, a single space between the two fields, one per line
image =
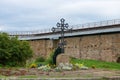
x=62 y=27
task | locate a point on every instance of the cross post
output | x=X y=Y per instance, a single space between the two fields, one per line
x=62 y=27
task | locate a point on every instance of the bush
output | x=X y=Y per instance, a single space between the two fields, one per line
x=13 y=52
x=33 y=65
x=40 y=59
x=49 y=59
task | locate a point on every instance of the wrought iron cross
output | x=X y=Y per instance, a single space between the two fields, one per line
x=62 y=27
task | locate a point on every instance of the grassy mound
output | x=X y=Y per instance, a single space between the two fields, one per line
x=97 y=64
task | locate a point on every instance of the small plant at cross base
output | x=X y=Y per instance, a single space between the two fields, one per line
x=49 y=59
x=40 y=59
x=33 y=65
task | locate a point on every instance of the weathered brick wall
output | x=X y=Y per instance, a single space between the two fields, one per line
x=104 y=47
x=116 y=47
x=39 y=47
x=72 y=47
x=99 y=47
x=42 y=47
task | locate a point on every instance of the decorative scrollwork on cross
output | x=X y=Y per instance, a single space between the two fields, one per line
x=62 y=27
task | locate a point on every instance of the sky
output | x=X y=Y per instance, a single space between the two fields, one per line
x=31 y=15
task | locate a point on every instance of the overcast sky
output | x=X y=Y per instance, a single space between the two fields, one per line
x=28 y=15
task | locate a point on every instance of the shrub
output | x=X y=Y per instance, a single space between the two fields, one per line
x=13 y=52
x=49 y=59
x=33 y=65
x=40 y=59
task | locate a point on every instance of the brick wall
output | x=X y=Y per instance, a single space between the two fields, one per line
x=104 y=47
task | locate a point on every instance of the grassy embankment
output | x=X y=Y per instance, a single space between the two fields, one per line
x=98 y=64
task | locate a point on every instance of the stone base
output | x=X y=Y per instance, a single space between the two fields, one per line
x=62 y=58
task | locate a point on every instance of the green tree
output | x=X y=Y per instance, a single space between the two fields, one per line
x=13 y=52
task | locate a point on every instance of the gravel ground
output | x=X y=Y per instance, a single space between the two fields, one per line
x=90 y=74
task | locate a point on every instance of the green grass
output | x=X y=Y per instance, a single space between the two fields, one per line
x=29 y=76
x=1 y=76
x=97 y=64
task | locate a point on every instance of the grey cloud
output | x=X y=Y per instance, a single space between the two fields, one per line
x=26 y=14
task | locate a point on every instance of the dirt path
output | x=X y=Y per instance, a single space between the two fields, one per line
x=91 y=73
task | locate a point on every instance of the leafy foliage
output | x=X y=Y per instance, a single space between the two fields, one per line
x=49 y=59
x=33 y=65
x=40 y=59
x=13 y=52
